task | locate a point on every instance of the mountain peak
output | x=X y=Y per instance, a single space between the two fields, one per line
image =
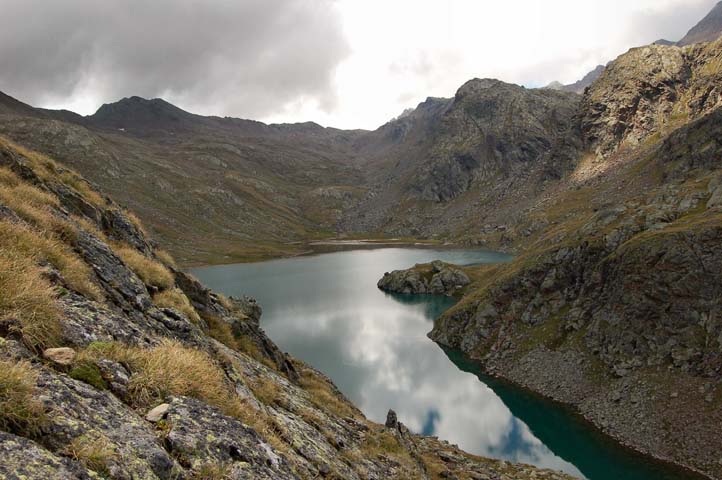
x=138 y=113
x=707 y=30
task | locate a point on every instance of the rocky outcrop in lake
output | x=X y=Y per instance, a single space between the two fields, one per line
x=435 y=278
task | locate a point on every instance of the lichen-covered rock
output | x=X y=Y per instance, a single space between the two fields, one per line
x=437 y=278
x=80 y=410
x=22 y=459
x=198 y=434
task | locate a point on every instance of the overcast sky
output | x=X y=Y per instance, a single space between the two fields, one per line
x=343 y=63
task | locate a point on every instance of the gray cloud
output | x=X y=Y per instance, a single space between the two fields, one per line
x=244 y=58
x=670 y=23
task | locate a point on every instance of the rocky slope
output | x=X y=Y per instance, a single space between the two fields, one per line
x=211 y=189
x=613 y=307
x=113 y=364
x=436 y=171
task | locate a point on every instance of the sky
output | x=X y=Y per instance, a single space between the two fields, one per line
x=340 y=63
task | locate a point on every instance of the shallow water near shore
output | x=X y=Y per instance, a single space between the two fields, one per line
x=326 y=310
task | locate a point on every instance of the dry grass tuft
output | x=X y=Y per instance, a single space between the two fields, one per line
x=91 y=227
x=175 y=298
x=36 y=207
x=150 y=271
x=135 y=221
x=20 y=411
x=50 y=171
x=173 y=369
x=28 y=298
x=42 y=247
x=169 y=369
x=324 y=396
x=222 y=331
x=212 y=471
x=267 y=391
x=94 y=451
x=166 y=258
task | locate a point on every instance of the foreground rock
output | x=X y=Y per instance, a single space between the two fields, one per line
x=435 y=278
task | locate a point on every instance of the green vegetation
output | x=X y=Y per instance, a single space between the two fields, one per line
x=87 y=371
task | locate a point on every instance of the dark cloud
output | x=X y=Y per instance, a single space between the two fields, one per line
x=245 y=58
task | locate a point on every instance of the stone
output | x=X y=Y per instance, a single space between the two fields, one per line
x=392 y=420
x=62 y=356
x=157 y=413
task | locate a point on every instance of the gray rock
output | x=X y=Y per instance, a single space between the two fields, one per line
x=25 y=459
x=437 y=278
x=156 y=414
x=62 y=356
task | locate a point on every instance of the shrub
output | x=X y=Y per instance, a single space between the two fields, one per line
x=175 y=298
x=30 y=299
x=32 y=244
x=20 y=411
x=150 y=271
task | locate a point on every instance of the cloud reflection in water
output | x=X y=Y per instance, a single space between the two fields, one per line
x=327 y=311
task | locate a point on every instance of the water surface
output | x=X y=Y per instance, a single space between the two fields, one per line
x=326 y=310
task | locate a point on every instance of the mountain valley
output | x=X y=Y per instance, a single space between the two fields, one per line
x=607 y=192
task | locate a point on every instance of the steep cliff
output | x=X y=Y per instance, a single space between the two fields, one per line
x=614 y=305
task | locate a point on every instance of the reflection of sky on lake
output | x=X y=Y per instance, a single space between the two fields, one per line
x=327 y=311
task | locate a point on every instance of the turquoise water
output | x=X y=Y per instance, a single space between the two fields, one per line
x=326 y=310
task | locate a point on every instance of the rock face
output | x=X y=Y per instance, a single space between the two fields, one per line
x=134 y=370
x=613 y=306
x=649 y=90
x=436 y=278
x=471 y=145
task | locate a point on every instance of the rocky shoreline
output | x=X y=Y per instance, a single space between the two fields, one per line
x=598 y=408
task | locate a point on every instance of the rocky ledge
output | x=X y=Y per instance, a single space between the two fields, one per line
x=435 y=278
